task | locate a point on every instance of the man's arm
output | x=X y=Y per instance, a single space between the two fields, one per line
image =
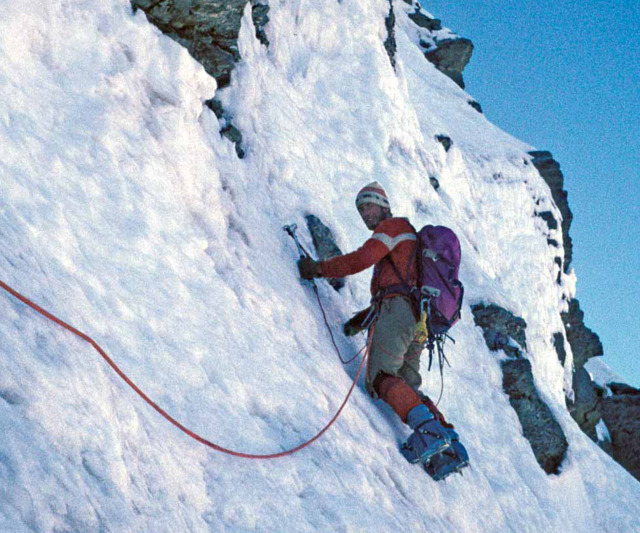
x=367 y=255
x=386 y=237
x=356 y=323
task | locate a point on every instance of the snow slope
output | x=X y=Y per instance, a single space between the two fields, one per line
x=124 y=212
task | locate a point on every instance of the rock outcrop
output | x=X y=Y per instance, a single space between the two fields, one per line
x=325 y=244
x=504 y=331
x=390 y=44
x=445 y=141
x=227 y=129
x=558 y=344
x=207 y=28
x=539 y=426
x=549 y=169
x=585 y=344
x=585 y=407
x=501 y=329
x=621 y=414
x=449 y=53
x=451 y=57
x=591 y=404
x=475 y=105
x=423 y=21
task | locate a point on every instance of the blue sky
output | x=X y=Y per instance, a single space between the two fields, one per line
x=564 y=77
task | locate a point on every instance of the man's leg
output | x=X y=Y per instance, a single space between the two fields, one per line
x=410 y=369
x=434 y=410
x=455 y=457
x=393 y=334
x=410 y=373
x=395 y=392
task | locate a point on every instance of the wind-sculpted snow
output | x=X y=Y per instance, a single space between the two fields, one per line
x=124 y=212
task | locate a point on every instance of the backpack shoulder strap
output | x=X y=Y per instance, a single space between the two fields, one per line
x=415 y=253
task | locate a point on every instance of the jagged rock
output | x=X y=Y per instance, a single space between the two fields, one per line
x=445 y=140
x=475 y=105
x=449 y=54
x=216 y=106
x=500 y=328
x=228 y=130
x=584 y=343
x=325 y=244
x=504 y=331
x=451 y=57
x=585 y=409
x=558 y=344
x=452 y=54
x=235 y=136
x=622 y=388
x=424 y=21
x=549 y=169
x=621 y=414
x=390 y=43
x=539 y=426
x=260 y=16
x=517 y=379
x=207 y=28
x=548 y=217
x=558 y=261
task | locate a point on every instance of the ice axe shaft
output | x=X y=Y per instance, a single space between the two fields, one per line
x=291 y=230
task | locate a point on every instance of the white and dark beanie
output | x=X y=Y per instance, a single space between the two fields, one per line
x=373 y=193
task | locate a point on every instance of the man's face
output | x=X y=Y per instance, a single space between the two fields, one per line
x=372 y=214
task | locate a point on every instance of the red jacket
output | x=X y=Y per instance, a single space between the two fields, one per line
x=393 y=237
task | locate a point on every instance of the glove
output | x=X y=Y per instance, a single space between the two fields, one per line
x=309 y=268
x=354 y=325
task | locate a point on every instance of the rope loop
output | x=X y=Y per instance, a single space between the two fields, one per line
x=161 y=411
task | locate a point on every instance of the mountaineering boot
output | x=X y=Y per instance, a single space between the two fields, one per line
x=434 y=409
x=428 y=437
x=449 y=461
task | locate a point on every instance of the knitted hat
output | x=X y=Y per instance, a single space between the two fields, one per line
x=373 y=193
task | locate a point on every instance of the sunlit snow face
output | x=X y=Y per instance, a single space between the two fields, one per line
x=372 y=214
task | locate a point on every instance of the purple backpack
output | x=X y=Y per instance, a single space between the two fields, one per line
x=440 y=289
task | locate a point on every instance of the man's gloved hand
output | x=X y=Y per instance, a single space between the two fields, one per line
x=309 y=268
x=354 y=325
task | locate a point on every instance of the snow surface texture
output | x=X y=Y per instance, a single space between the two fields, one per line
x=124 y=212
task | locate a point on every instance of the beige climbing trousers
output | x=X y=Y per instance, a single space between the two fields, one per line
x=393 y=348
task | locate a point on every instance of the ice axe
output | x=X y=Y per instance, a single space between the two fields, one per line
x=291 y=230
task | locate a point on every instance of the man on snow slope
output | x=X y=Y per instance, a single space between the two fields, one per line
x=393 y=372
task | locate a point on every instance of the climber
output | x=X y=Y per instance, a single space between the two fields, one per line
x=394 y=361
